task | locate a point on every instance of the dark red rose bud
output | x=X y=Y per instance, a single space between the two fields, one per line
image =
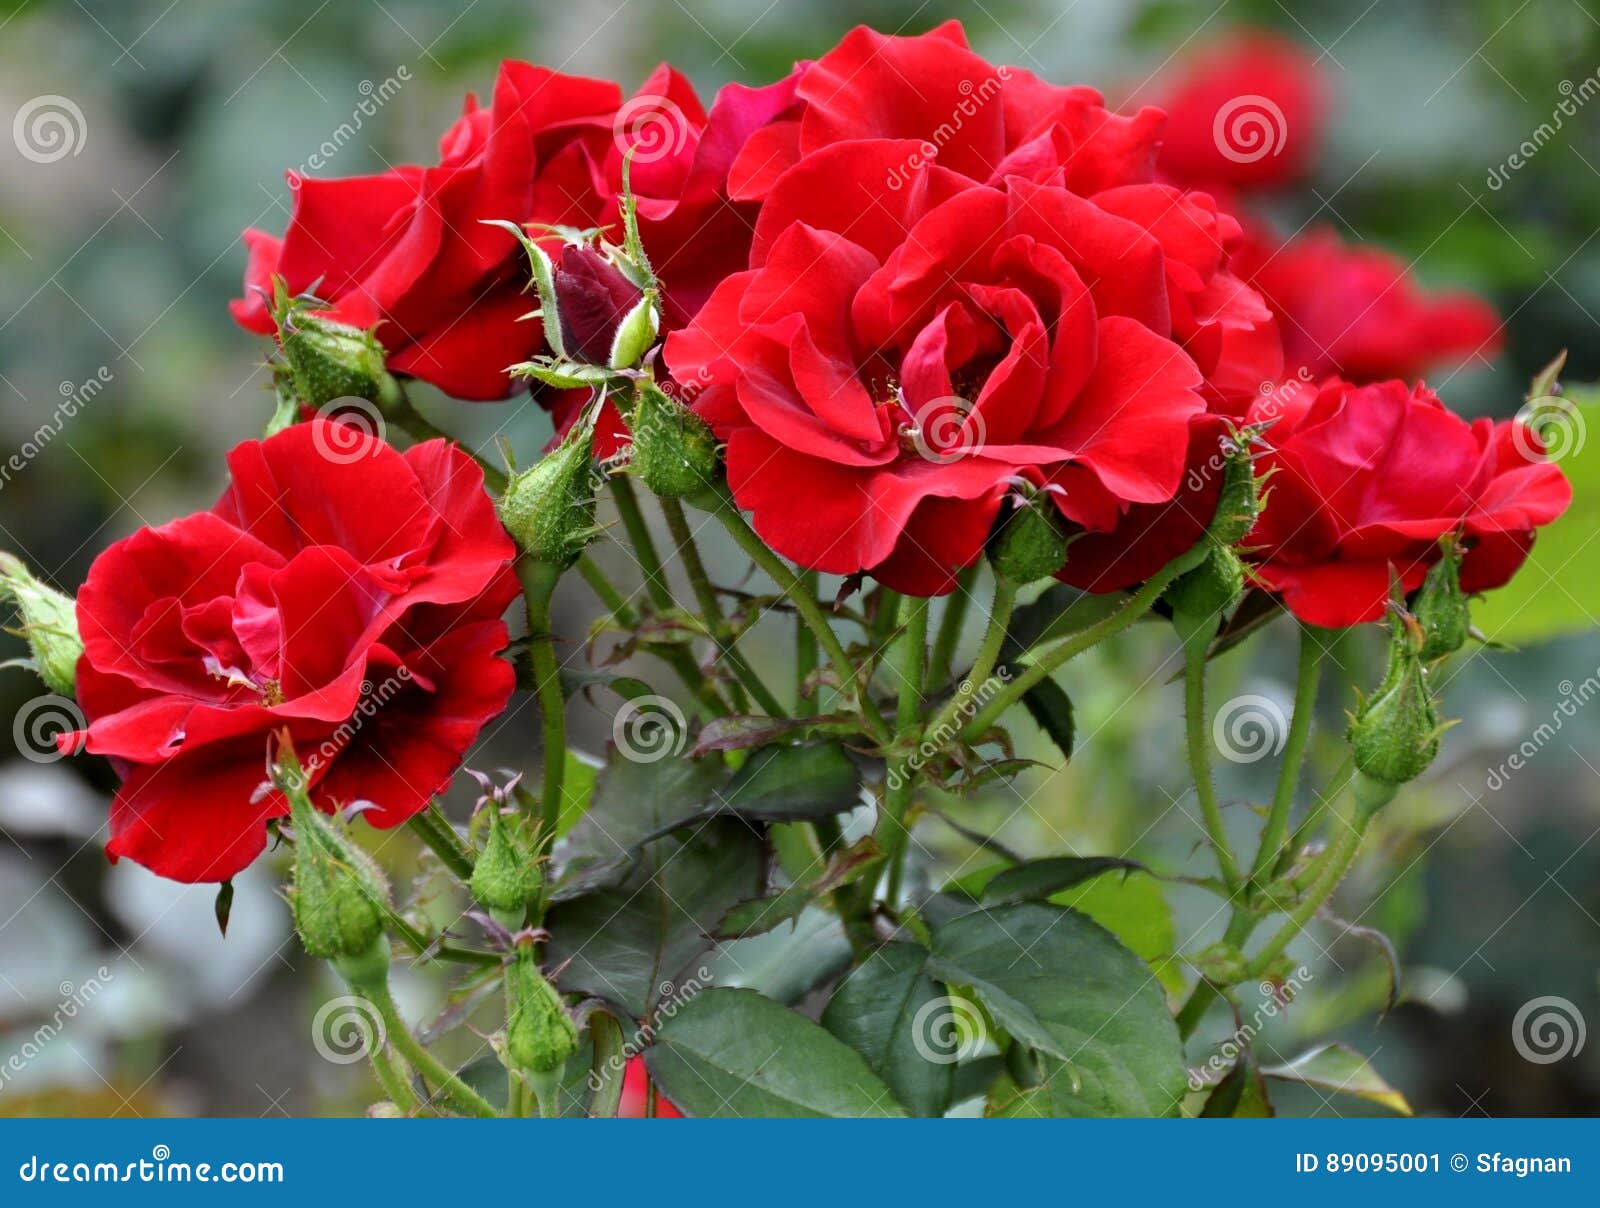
x=594 y=298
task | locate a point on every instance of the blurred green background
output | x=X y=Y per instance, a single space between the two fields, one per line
x=116 y=264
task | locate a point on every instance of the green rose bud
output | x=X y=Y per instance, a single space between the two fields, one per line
x=540 y=1034
x=338 y=895
x=674 y=451
x=1441 y=606
x=1207 y=591
x=328 y=360
x=1395 y=734
x=1239 y=502
x=1222 y=964
x=506 y=878
x=49 y=622
x=549 y=508
x=1030 y=543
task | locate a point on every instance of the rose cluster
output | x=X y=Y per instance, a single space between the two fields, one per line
x=908 y=290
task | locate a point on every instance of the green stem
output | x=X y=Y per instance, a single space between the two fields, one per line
x=1198 y=742
x=393 y=1078
x=1308 y=825
x=644 y=545
x=434 y=829
x=1331 y=867
x=711 y=610
x=940 y=662
x=808 y=608
x=983 y=665
x=398 y=410
x=538 y=586
x=893 y=828
x=805 y=646
x=1294 y=753
x=459 y=1094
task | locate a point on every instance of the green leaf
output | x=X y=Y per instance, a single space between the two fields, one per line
x=1062 y=984
x=627 y=943
x=1134 y=909
x=763 y=914
x=733 y=1053
x=783 y=784
x=1039 y=879
x=891 y=1012
x=1050 y=707
x=1242 y=1094
x=577 y=790
x=1337 y=1067
x=1552 y=595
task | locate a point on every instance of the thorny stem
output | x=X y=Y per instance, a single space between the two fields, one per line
x=1294 y=751
x=538 y=585
x=983 y=665
x=457 y=1092
x=644 y=545
x=434 y=829
x=949 y=634
x=1198 y=742
x=805 y=646
x=900 y=785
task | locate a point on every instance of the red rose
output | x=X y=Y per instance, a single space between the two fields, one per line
x=370 y=632
x=1357 y=312
x=1247 y=113
x=635 y=1088
x=967 y=115
x=1368 y=478
x=406 y=249
x=894 y=357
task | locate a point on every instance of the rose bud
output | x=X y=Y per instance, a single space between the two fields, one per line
x=605 y=318
x=49 y=623
x=674 y=451
x=1395 y=734
x=1203 y=594
x=1441 y=606
x=338 y=895
x=1029 y=544
x=328 y=360
x=549 y=508
x=540 y=1034
x=506 y=877
x=1240 y=500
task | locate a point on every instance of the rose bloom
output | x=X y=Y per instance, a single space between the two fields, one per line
x=370 y=633
x=635 y=1090
x=1366 y=479
x=406 y=250
x=1357 y=312
x=1245 y=113
x=931 y=316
